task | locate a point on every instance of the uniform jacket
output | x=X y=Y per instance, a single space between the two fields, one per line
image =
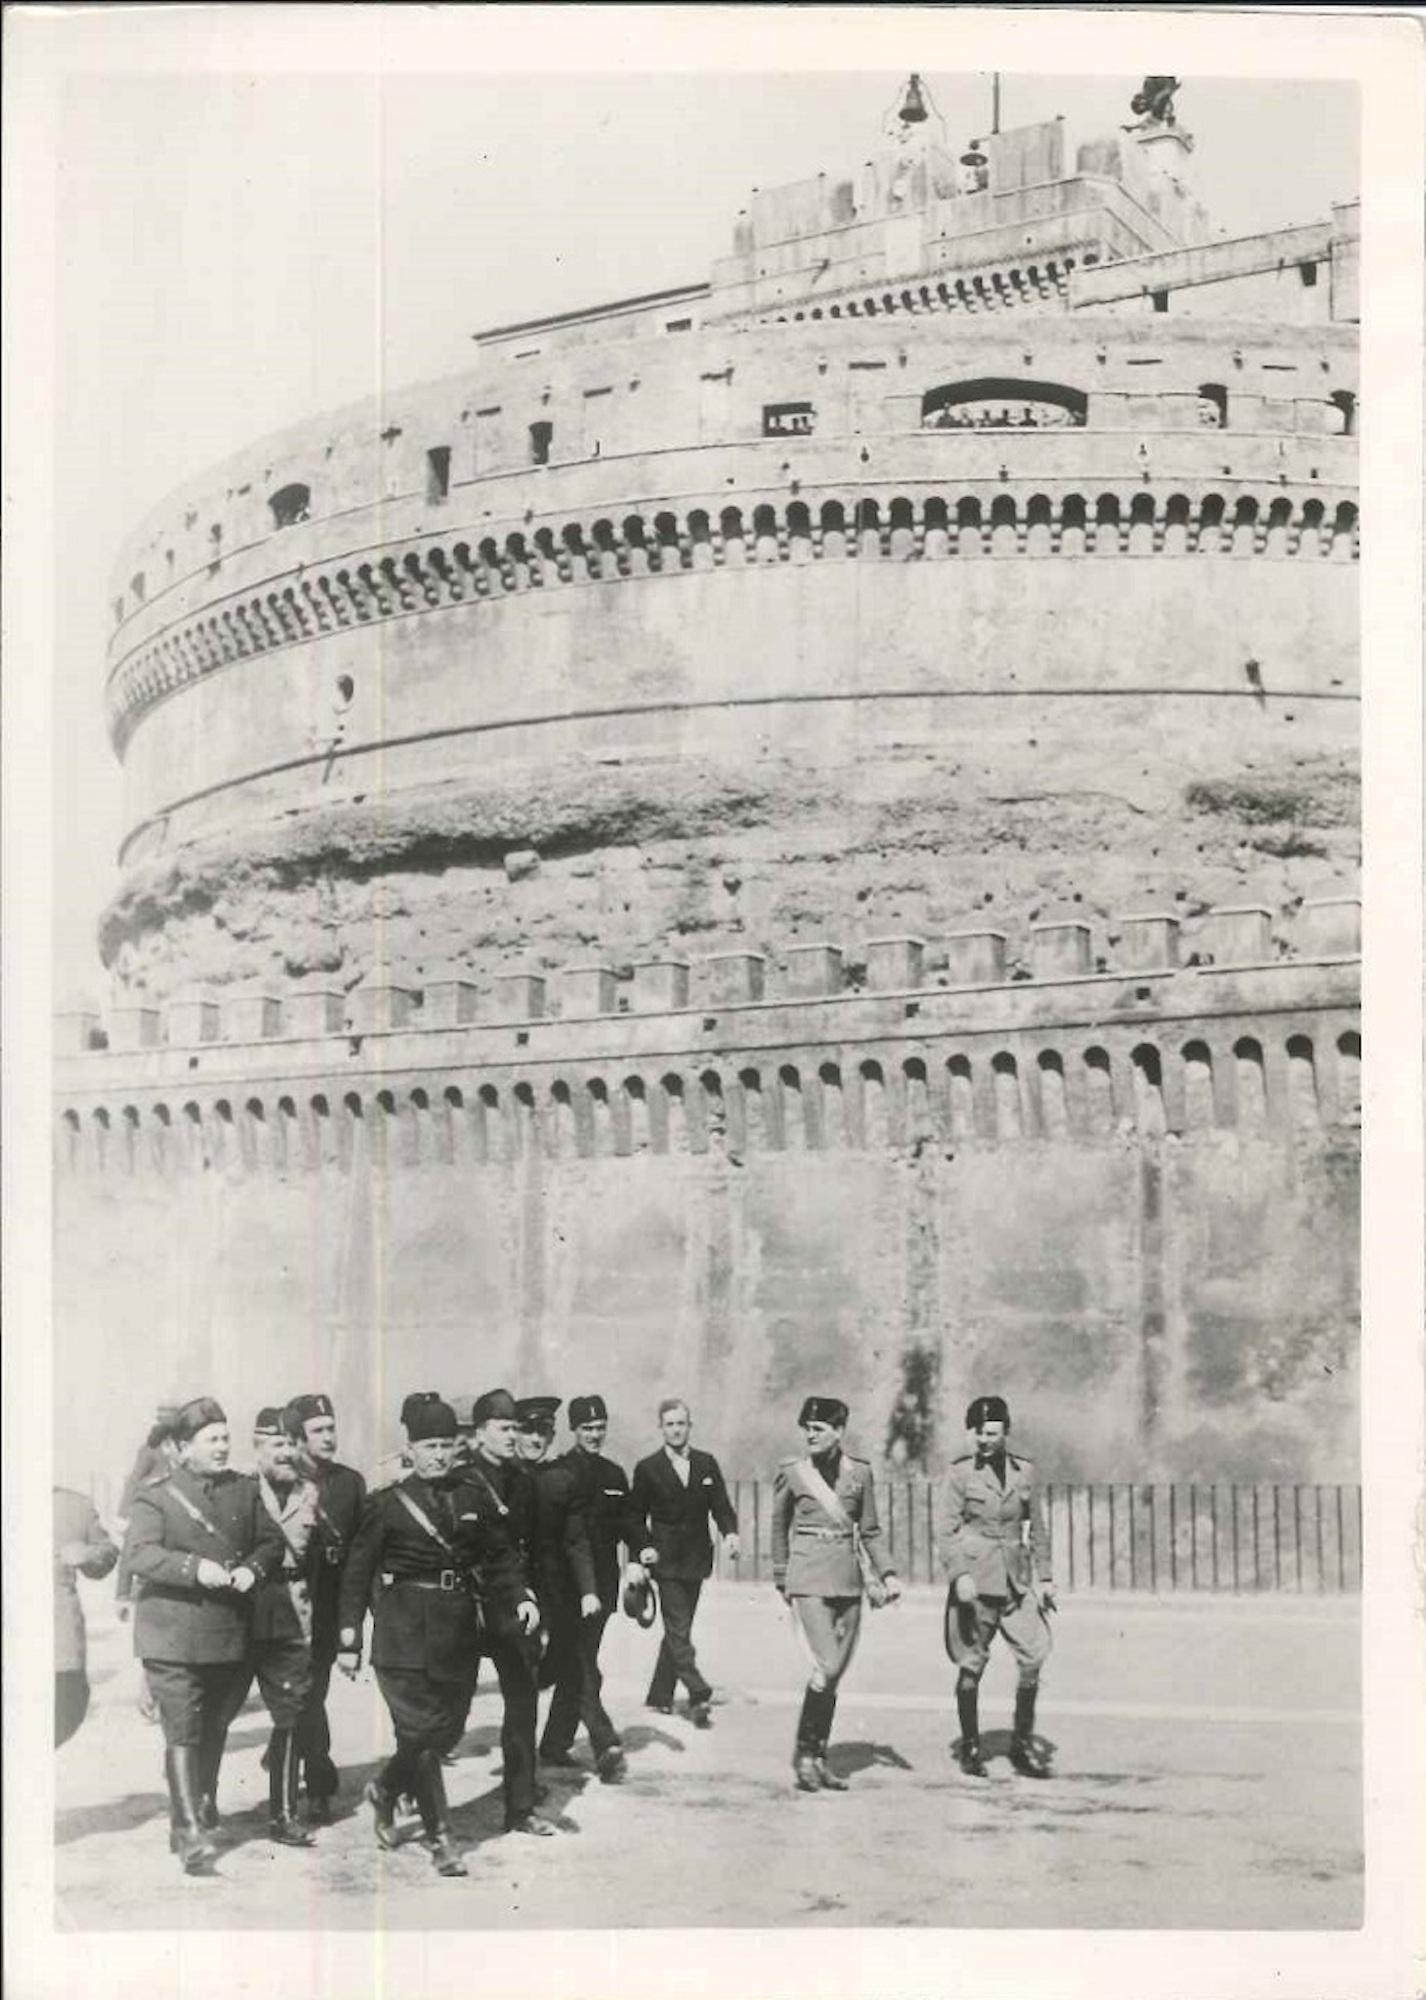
x=561 y=1560
x=609 y=1517
x=175 y=1618
x=811 y=1555
x=425 y=1615
x=282 y=1606
x=504 y=1495
x=75 y=1521
x=673 y=1519
x=341 y=1495
x=991 y=1532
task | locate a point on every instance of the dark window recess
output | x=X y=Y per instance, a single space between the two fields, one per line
x=438 y=472
x=1161 y=301
x=678 y=326
x=290 y=504
x=542 y=435
x=1002 y=403
x=607 y=390
x=866 y=364
x=1309 y=274
x=788 y=419
x=136 y=585
x=1144 y=360
x=1213 y=406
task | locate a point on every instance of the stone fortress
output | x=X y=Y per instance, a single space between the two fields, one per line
x=796 y=832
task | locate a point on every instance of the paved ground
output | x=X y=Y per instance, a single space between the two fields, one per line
x=1207 y=1760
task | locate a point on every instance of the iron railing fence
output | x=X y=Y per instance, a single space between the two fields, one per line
x=1124 y=1535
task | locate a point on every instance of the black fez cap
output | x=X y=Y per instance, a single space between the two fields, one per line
x=988 y=1410
x=414 y=1401
x=196 y=1416
x=536 y=1413
x=587 y=1410
x=494 y=1403
x=824 y=1410
x=269 y=1422
x=303 y=1409
x=429 y=1417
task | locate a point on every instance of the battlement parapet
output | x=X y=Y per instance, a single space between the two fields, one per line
x=1060 y=975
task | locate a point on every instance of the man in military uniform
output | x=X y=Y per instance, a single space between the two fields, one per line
x=340 y=1496
x=603 y=1489
x=505 y=1492
x=81 y=1548
x=156 y=1458
x=677 y=1492
x=199 y=1542
x=996 y=1557
x=822 y=1504
x=426 y=1542
x=562 y=1571
x=281 y=1659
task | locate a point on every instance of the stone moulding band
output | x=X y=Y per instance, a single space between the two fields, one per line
x=336 y=754
x=431 y=574
x=1113 y=1083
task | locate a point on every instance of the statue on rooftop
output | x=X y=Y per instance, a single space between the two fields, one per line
x=1153 y=102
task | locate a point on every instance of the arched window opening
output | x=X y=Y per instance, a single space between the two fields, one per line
x=1198 y=1111
x=993 y=402
x=962 y=1098
x=1148 y=1088
x=290 y=504
x=1005 y=1072
x=1099 y=1092
x=1252 y=1093
x=1301 y=1081
x=1054 y=1119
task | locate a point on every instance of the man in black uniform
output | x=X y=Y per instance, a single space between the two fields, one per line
x=563 y=1576
x=199 y=1542
x=506 y=1493
x=281 y=1657
x=426 y=1541
x=341 y=1494
x=603 y=1489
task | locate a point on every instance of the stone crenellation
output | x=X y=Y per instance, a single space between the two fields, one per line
x=1059 y=953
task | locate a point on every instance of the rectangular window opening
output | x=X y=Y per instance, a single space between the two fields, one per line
x=789 y=419
x=678 y=326
x=438 y=472
x=541 y=438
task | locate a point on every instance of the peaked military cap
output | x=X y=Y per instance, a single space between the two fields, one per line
x=305 y=1409
x=196 y=1416
x=824 y=1410
x=536 y=1413
x=269 y=1422
x=587 y=1410
x=494 y=1404
x=988 y=1410
x=428 y=1417
x=414 y=1401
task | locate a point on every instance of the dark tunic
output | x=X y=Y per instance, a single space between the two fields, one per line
x=177 y=1619
x=609 y=1517
x=341 y=1494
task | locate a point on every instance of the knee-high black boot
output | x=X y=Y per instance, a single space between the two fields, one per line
x=282 y=1770
x=805 y=1749
x=1025 y=1753
x=431 y=1798
x=826 y=1709
x=188 y=1840
x=968 y=1710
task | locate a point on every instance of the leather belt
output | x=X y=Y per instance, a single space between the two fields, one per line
x=449 y=1579
x=824 y=1534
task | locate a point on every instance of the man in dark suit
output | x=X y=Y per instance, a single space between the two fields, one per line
x=677 y=1491
x=199 y=1542
x=603 y=1499
x=427 y=1541
x=341 y=1494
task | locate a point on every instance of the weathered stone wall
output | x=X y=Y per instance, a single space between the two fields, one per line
x=1128 y=1200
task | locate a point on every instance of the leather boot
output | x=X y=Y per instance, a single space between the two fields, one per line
x=189 y=1841
x=1025 y=1753
x=282 y=1821
x=804 y=1756
x=969 y=1754
x=826 y=1709
x=446 y=1857
x=381 y=1795
x=207 y=1760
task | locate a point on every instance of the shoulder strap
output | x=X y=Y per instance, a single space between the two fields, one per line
x=280 y=1520
x=473 y=1471
x=195 y=1512
x=822 y=1493
x=423 y=1520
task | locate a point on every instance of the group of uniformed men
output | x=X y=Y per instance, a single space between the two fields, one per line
x=485 y=1546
